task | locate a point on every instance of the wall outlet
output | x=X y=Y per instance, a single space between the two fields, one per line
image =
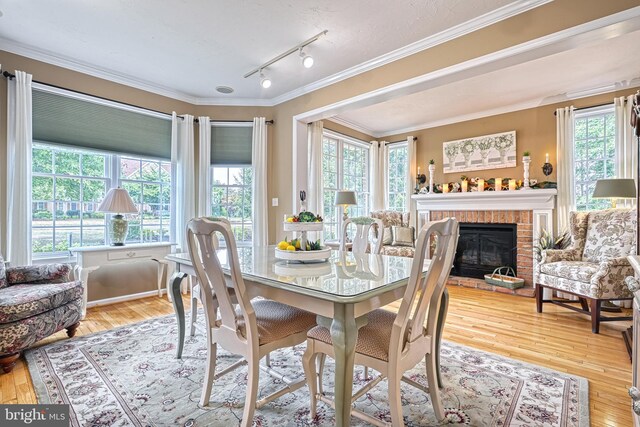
x=274 y=201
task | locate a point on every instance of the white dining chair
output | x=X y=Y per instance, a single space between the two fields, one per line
x=250 y=329
x=392 y=343
x=363 y=240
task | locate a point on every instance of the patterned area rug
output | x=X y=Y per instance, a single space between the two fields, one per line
x=130 y=377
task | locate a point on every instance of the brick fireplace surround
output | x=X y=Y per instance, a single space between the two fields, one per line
x=533 y=212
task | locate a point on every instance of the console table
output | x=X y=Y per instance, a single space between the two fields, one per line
x=91 y=258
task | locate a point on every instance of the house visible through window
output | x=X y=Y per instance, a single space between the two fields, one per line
x=594 y=154
x=397 y=164
x=345 y=166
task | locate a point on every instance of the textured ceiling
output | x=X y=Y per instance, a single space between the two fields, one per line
x=192 y=46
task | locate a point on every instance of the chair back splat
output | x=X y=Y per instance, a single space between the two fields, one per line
x=362 y=242
x=423 y=294
x=203 y=244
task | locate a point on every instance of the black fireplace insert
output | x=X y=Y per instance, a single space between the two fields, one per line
x=485 y=247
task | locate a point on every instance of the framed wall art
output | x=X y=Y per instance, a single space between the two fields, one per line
x=480 y=153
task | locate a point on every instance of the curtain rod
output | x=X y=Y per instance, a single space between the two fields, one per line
x=555 y=113
x=269 y=122
x=10 y=76
x=415 y=138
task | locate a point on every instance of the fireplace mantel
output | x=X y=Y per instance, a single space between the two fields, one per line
x=529 y=200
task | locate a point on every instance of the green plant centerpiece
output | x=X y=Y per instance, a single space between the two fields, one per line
x=300 y=248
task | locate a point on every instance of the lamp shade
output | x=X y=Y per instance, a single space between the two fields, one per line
x=118 y=201
x=345 y=198
x=615 y=188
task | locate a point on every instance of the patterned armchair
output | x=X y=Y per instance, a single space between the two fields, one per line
x=389 y=219
x=594 y=267
x=35 y=302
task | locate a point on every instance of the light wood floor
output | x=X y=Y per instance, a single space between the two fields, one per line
x=494 y=322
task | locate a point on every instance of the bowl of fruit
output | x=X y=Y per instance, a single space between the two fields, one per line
x=301 y=250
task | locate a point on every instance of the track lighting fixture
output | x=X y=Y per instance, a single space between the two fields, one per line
x=307 y=60
x=265 y=82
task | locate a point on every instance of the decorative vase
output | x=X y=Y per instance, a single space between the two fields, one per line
x=432 y=170
x=118 y=229
x=526 y=161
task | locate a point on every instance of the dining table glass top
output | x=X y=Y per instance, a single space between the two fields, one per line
x=343 y=275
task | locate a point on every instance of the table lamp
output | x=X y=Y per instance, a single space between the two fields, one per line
x=119 y=202
x=345 y=198
x=615 y=188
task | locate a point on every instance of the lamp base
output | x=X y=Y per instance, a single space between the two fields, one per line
x=118 y=229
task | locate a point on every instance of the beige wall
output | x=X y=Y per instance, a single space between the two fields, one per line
x=550 y=18
x=535 y=132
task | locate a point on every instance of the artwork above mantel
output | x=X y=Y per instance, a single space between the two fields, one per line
x=480 y=153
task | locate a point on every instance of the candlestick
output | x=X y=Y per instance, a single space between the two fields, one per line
x=546 y=157
x=464 y=185
x=481 y=185
x=432 y=169
x=418 y=170
x=498 y=184
x=445 y=188
x=512 y=185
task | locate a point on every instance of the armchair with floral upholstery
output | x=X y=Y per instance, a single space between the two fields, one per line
x=35 y=302
x=389 y=220
x=594 y=267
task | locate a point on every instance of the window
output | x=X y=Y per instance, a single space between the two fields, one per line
x=397 y=159
x=68 y=185
x=149 y=185
x=231 y=197
x=594 y=154
x=345 y=166
x=65 y=181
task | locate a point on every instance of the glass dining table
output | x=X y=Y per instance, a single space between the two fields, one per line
x=340 y=291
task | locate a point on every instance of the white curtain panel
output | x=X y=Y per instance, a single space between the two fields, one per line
x=378 y=175
x=565 y=168
x=411 y=173
x=19 y=143
x=184 y=181
x=315 y=200
x=204 y=166
x=626 y=152
x=259 y=162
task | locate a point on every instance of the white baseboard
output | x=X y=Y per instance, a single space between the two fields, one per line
x=122 y=298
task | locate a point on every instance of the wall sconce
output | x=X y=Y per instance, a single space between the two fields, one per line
x=547 y=168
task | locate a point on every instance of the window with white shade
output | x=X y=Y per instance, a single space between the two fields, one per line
x=397 y=173
x=594 y=154
x=345 y=166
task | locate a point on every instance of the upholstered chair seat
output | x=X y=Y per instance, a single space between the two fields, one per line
x=595 y=266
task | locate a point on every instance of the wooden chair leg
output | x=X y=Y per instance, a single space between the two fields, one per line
x=252 y=391
x=71 y=330
x=539 y=296
x=584 y=304
x=309 y=365
x=595 y=315
x=8 y=361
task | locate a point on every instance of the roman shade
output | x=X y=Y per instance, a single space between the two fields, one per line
x=231 y=145
x=79 y=123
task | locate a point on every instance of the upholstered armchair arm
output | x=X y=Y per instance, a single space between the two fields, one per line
x=38 y=274
x=555 y=255
x=608 y=281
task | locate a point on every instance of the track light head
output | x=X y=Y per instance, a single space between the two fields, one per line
x=265 y=82
x=307 y=60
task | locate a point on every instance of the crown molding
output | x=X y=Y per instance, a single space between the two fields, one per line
x=467 y=27
x=532 y=103
x=352 y=125
x=449 y=34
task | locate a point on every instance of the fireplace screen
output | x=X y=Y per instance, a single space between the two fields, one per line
x=484 y=247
